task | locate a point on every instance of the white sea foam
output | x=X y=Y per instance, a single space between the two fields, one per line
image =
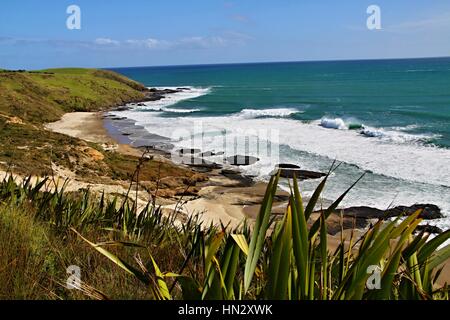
x=397 y=136
x=400 y=172
x=260 y=113
x=394 y=134
x=180 y=110
x=412 y=162
x=172 y=99
x=336 y=123
x=407 y=128
x=340 y=123
x=421 y=70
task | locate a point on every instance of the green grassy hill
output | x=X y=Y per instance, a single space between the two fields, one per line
x=43 y=96
x=28 y=100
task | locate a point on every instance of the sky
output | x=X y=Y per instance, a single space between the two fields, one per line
x=34 y=33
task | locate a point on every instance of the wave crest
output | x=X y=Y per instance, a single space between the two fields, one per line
x=397 y=136
x=180 y=110
x=267 y=113
x=341 y=124
x=173 y=98
x=336 y=123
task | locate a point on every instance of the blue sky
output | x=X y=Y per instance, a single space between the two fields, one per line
x=115 y=33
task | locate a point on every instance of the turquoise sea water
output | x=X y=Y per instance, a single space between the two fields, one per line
x=389 y=119
x=410 y=94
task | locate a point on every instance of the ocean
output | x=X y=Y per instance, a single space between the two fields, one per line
x=389 y=119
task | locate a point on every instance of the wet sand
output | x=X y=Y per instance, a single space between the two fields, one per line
x=226 y=199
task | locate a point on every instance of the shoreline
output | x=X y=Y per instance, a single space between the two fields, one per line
x=227 y=198
x=121 y=155
x=243 y=193
x=223 y=198
x=227 y=195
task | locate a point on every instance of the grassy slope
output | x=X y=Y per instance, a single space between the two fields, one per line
x=28 y=100
x=33 y=254
x=37 y=245
x=38 y=97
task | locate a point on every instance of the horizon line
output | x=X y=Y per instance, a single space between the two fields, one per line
x=274 y=62
x=238 y=63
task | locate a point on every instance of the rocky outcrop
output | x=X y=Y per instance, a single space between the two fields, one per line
x=239 y=160
x=360 y=217
x=199 y=164
x=429 y=229
x=289 y=170
x=154 y=94
x=243 y=180
x=188 y=151
x=211 y=154
x=429 y=212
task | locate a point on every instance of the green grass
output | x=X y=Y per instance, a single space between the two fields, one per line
x=126 y=254
x=38 y=246
x=39 y=97
x=28 y=100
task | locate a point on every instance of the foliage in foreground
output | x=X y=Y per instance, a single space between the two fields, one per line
x=164 y=259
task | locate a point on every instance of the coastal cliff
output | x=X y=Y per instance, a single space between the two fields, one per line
x=29 y=100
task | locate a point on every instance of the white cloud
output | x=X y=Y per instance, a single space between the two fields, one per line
x=149 y=43
x=194 y=42
x=202 y=42
x=106 y=42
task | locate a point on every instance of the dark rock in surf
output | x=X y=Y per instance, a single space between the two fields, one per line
x=429 y=229
x=188 y=151
x=154 y=97
x=211 y=154
x=306 y=175
x=122 y=108
x=239 y=160
x=429 y=212
x=289 y=170
x=146 y=144
x=363 y=212
x=198 y=164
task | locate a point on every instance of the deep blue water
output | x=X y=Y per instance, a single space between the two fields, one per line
x=389 y=119
x=411 y=96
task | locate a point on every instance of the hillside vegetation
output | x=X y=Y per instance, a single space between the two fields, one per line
x=28 y=100
x=43 y=96
x=126 y=253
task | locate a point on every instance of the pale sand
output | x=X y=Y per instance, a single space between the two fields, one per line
x=83 y=125
x=88 y=126
x=219 y=202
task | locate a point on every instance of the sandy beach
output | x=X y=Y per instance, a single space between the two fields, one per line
x=220 y=199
